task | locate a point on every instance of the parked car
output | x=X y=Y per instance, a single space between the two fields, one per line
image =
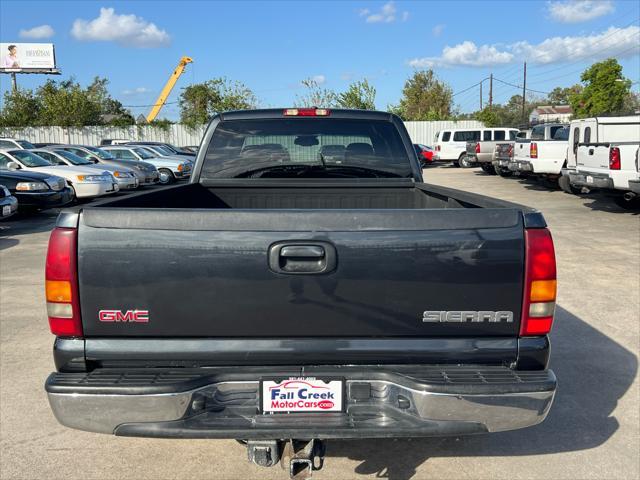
x=169 y=169
x=146 y=173
x=164 y=152
x=13 y=143
x=8 y=203
x=451 y=144
x=125 y=177
x=85 y=182
x=113 y=141
x=544 y=154
x=425 y=154
x=604 y=151
x=173 y=148
x=481 y=153
x=44 y=144
x=316 y=300
x=36 y=191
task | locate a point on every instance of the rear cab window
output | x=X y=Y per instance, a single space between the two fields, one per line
x=537 y=133
x=446 y=136
x=300 y=147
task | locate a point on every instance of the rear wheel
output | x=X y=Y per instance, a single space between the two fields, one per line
x=464 y=162
x=488 y=168
x=166 y=176
x=565 y=185
x=503 y=172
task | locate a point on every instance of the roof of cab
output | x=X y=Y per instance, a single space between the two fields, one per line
x=273 y=113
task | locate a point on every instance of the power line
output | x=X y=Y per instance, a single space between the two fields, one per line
x=591 y=54
x=469 y=88
x=520 y=86
x=151 y=105
x=596 y=42
x=579 y=70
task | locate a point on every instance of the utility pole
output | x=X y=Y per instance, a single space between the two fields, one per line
x=524 y=90
x=481 y=96
x=490 y=91
x=14 y=82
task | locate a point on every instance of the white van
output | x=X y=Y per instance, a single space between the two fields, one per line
x=451 y=144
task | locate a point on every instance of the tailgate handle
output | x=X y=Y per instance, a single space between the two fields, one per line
x=302 y=257
x=305 y=251
x=591 y=151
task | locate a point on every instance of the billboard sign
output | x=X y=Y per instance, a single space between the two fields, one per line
x=27 y=57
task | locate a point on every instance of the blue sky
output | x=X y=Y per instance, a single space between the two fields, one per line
x=272 y=46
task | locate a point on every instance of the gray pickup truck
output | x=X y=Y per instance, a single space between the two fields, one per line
x=283 y=300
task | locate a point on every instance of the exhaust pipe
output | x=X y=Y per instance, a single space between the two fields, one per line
x=628 y=196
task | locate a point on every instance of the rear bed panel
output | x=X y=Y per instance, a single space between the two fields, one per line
x=206 y=273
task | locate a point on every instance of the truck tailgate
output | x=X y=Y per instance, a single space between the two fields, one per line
x=208 y=273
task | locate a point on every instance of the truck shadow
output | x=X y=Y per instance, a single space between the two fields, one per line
x=593 y=372
x=22 y=224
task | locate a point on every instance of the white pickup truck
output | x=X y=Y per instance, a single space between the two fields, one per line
x=544 y=153
x=604 y=155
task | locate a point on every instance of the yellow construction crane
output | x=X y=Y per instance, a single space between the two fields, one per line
x=167 y=88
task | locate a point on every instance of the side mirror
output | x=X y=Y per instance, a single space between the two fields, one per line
x=13 y=166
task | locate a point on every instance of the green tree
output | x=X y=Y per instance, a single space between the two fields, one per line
x=360 y=95
x=491 y=117
x=66 y=104
x=21 y=109
x=560 y=96
x=315 y=95
x=201 y=101
x=605 y=90
x=424 y=97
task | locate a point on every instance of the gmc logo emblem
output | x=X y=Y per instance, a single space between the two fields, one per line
x=132 y=316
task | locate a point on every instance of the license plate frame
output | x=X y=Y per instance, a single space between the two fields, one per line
x=335 y=385
x=6 y=210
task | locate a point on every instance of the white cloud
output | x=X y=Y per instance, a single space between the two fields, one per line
x=438 y=29
x=126 y=30
x=386 y=14
x=38 y=33
x=614 y=42
x=574 y=11
x=465 y=54
x=136 y=91
x=319 y=79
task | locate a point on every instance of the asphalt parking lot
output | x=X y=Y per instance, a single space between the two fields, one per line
x=592 y=431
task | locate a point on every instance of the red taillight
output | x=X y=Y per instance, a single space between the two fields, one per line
x=539 y=302
x=478 y=147
x=533 y=150
x=306 y=112
x=614 y=158
x=510 y=151
x=437 y=148
x=61 y=283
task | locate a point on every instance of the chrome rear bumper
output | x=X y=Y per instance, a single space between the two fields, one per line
x=383 y=404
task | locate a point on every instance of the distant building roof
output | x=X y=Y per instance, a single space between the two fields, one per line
x=553 y=110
